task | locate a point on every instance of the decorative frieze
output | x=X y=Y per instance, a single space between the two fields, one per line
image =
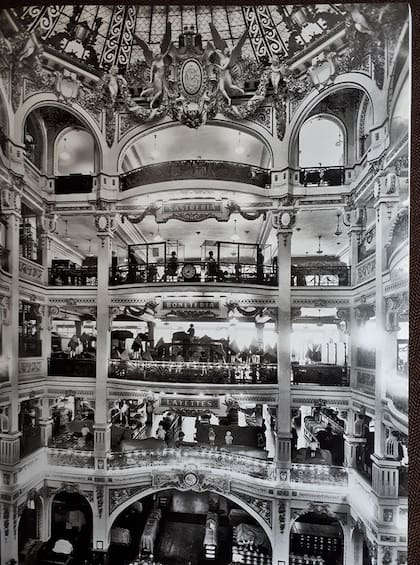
x=118 y=496
x=30 y=270
x=262 y=507
x=366 y=270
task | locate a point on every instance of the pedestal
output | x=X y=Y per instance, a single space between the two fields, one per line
x=46 y=431
x=350 y=446
x=385 y=477
x=10 y=448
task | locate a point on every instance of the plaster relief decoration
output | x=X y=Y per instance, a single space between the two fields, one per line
x=118 y=496
x=191 y=479
x=261 y=506
x=30 y=270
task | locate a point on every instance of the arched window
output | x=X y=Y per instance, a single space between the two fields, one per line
x=321 y=143
x=74 y=153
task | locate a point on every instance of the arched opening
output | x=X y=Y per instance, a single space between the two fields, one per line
x=61 y=143
x=29 y=526
x=4 y=128
x=33 y=140
x=316 y=538
x=188 y=528
x=360 y=550
x=326 y=153
x=71 y=530
x=74 y=153
x=209 y=143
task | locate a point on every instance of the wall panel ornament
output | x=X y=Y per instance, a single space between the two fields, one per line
x=118 y=496
x=261 y=506
x=191 y=480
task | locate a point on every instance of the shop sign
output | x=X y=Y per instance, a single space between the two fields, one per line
x=190 y=211
x=194 y=304
x=190 y=402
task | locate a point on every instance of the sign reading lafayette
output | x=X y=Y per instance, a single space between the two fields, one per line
x=191 y=402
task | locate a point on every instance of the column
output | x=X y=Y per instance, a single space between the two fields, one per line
x=281 y=531
x=384 y=473
x=283 y=222
x=102 y=443
x=10 y=206
x=351 y=440
x=8 y=533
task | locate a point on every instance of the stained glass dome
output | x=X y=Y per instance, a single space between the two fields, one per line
x=102 y=36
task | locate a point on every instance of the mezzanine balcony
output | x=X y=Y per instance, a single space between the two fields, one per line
x=169 y=171
x=193 y=272
x=73 y=184
x=223 y=460
x=193 y=372
x=322 y=176
x=321 y=374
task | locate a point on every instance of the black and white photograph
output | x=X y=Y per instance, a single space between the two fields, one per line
x=204 y=265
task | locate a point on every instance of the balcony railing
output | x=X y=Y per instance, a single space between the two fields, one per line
x=320 y=374
x=323 y=275
x=195 y=169
x=76 y=367
x=322 y=176
x=214 y=459
x=71 y=458
x=190 y=372
x=319 y=474
x=73 y=184
x=194 y=272
x=83 y=276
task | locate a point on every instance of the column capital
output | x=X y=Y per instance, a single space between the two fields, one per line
x=106 y=218
x=10 y=196
x=284 y=218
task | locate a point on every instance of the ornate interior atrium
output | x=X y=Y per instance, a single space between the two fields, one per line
x=204 y=284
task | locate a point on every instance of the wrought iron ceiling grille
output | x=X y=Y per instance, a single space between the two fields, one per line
x=102 y=36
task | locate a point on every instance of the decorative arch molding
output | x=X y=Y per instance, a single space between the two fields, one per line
x=70 y=488
x=49 y=99
x=400 y=218
x=244 y=126
x=216 y=484
x=349 y=80
x=392 y=79
x=372 y=546
x=323 y=509
x=395 y=89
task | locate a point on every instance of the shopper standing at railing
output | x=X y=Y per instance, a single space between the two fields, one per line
x=211 y=267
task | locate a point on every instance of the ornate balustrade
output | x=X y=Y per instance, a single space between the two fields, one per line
x=320 y=374
x=83 y=276
x=73 y=184
x=191 y=372
x=71 y=458
x=322 y=176
x=194 y=272
x=76 y=367
x=195 y=169
x=322 y=275
x=213 y=459
x=318 y=474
